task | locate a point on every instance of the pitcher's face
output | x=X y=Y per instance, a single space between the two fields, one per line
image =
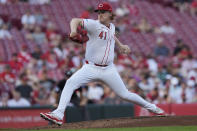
x=104 y=16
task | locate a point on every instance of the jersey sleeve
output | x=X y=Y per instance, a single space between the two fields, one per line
x=89 y=25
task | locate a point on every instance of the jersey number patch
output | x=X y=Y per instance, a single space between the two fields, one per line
x=103 y=35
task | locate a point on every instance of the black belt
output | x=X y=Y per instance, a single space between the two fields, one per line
x=87 y=62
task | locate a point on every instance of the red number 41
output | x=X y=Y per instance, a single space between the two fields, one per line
x=103 y=35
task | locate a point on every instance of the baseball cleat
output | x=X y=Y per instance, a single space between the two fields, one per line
x=157 y=111
x=52 y=118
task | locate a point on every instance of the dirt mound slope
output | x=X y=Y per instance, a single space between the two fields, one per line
x=129 y=122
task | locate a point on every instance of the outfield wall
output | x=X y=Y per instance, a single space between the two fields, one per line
x=170 y=109
x=22 y=117
x=29 y=117
x=95 y=112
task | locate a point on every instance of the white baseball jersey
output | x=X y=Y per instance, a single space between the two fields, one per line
x=100 y=47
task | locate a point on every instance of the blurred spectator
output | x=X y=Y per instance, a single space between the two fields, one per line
x=140 y=61
x=179 y=46
x=166 y=99
x=2 y=64
x=24 y=56
x=193 y=8
x=167 y=28
x=51 y=61
x=31 y=72
x=86 y=13
x=153 y=95
x=45 y=81
x=61 y=83
x=61 y=50
x=40 y=95
x=135 y=28
x=39 y=36
x=182 y=5
x=125 y=60
x=144 y=26
x=133 y=9
x=145 y=85
x=162 y=73
x=112 y=99
x=4 y=32
x=175 y=90
x=4 y=99
x=192 y=73
x=113 y=0
x=152 y=64
x=188 y=92
x=51 y=33
x=3 y=1
x=109 y=96
x=14 y=1
x=18 y=101
x=186 y=65
x=122 y=10
x=120 y=25
x=161 y=49
x=39 y=2
x=95 y=92
x=23 y=87
x=132 y=85
x=28 y=20
x=39 y=17
x=1 y=22
x=77 y=60
x=15 y=64
x=52 y=98
x=185 y=52
x=7 y=75
x=68 y=63
x=37 y=52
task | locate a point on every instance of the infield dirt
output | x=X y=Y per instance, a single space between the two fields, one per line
x=129 y=122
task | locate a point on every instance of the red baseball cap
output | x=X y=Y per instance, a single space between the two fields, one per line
x=104 y=6
x=24 y=46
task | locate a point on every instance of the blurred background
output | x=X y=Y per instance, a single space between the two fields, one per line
x=36 y=59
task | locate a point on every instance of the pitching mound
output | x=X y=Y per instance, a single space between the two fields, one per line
x=130 y=122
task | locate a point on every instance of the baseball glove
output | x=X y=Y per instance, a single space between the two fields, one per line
x=81 y=36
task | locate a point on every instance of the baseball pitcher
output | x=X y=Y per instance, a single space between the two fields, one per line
x=98 y=63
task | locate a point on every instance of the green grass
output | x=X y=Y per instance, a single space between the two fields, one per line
x=171 y=128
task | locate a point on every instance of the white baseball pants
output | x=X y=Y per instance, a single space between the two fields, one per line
x=90 y=72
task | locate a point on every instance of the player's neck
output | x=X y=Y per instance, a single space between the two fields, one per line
x=107 y=23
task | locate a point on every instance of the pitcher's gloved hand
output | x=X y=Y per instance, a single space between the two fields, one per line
x=80 y=36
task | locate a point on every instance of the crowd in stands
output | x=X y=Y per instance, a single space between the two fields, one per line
x=189 y=6
x=37 y=77
x=33 y=2
x=183 y=6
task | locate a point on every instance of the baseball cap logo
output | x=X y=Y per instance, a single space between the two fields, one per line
x=100 y=5
x=104 y=6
